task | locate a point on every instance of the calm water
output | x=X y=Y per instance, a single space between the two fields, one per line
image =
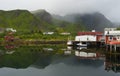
x=58 y=60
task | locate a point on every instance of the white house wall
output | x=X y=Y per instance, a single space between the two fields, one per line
x=110 y=29
x=85 y=38
x=112 y=33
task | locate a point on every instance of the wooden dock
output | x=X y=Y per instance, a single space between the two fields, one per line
x=89 y=43
x=99 y=44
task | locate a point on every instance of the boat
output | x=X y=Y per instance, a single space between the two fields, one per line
x=69 y=43
x=81 y=44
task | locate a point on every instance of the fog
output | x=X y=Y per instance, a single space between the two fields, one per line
x=110 y=8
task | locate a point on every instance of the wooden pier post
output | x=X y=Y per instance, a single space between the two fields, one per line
x=115 y=47
x=106 y=47
x=110 y=47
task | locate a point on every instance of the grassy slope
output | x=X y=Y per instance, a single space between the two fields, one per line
x=69 y=27
x=20 y=20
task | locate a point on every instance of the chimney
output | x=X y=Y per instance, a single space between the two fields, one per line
x=93 y=30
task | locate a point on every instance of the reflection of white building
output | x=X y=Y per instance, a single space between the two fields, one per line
x=85 y=54
x=80 y=48
x=47 y=49
x=88 y=55
x=69 y=47
x=67 y=52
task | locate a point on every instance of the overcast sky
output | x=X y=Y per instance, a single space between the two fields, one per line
x=110 y=8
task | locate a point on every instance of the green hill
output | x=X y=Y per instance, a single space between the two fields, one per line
x=46 y=19
x=22 y=20
x=57 y=25
x=65 y=26
x=41 y=20
x=43 y=15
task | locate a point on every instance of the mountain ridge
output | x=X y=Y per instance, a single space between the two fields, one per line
x=91 y=21
x=41 y=20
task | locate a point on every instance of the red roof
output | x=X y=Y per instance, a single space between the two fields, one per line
x=90 y=33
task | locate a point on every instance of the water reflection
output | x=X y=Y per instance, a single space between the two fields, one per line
x=68 y=51
x=112 y=62
x=44 y=56
x=25 y=56
x=80 y=48
x=89 y=55
x=48 y=49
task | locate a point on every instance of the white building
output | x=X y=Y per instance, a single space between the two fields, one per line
x=11 y=29
x=116 y=32
x=48 y=33
x=112 y=35
x=88 y=36
x=110 y=29
x=85 y=38
x=65 y=33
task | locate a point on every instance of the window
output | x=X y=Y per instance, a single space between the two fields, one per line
x=110 y=38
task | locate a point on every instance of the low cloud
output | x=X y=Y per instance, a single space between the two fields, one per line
x=110 y=8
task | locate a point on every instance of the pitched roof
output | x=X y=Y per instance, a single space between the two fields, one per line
x=90 y=33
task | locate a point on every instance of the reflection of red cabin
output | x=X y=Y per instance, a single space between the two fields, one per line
x=98 y=35
x=9 y=37
x=9 y=40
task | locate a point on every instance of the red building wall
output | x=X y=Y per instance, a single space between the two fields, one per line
x=98 y=38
